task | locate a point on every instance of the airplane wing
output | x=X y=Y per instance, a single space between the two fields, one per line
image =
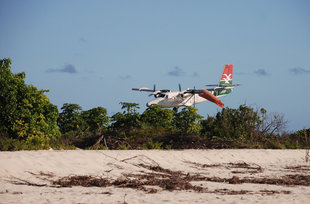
x=144 y=89
x=151 y=90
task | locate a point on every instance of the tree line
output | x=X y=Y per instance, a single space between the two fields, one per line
x=28 y=120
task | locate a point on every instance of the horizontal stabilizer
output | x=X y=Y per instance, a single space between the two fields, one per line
x=221 y=88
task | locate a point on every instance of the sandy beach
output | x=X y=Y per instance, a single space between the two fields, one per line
x=155 y=176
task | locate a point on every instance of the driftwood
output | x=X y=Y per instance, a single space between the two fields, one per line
x=99 y=140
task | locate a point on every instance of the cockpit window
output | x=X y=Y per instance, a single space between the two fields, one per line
x=160 y=95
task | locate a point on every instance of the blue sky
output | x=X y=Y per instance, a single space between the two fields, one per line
x=93 y=52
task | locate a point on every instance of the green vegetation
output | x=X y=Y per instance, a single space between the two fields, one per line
x=81 y=128
x=29 y=121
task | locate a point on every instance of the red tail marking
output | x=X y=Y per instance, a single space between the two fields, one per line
x=227 y=72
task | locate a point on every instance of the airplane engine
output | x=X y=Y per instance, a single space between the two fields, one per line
x=210 y=97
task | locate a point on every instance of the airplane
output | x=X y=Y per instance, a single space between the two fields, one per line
x=175 y=99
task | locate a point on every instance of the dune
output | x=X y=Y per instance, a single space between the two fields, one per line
x=155 y=176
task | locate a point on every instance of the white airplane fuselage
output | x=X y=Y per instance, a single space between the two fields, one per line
x=175 y=99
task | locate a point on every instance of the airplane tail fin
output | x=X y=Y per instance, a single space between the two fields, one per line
x=226 y=80
x=225 y=86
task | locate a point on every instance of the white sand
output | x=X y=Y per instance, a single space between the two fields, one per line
x=17 y=169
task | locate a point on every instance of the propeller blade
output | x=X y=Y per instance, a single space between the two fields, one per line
x=180 y=87
x=210 y=97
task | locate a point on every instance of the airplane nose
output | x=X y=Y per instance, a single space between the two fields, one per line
x=149 y=104
x=155 y=101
